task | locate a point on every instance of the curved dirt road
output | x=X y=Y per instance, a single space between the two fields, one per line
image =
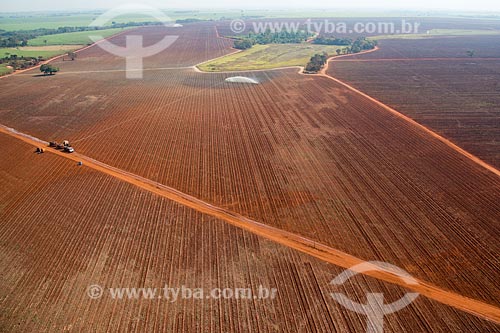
x=282 y=237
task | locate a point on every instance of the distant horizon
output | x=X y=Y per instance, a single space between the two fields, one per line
x=29 y=6
x=213 y=9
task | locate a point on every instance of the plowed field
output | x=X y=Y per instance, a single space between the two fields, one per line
x=299 y=153
x=65 y=227
x=457 y=97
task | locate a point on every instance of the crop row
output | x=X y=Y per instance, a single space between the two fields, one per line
x=70 y=227
x=458 y=99
x=301 y=154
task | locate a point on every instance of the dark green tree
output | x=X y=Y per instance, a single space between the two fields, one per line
x=242 y=44
x=47 y=69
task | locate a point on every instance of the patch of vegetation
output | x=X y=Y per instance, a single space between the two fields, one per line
x=14 y=62
x=332 y=41
x=79 y=38
x=269 y=37
x=268 y=57
x=47 y=46
x=29 y=21
x=353 y=46
x=23 y=37
x=48 y=69
x=242 y=44
x=190 y=20
x=44 y=52
x=282 y=37
x=316 y=63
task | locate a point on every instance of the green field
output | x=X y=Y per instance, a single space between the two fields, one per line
x=441 y=33
x=56 y=44
x=27 y=21
x=4 y=70
x=267 y=57
x=72 y=38
x=30 y=21
x=35 y=52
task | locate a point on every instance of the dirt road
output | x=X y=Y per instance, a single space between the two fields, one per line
x=288 y=239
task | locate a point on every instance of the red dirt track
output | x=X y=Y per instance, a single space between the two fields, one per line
x=293 y=241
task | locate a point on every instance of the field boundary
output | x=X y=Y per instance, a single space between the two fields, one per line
x=118 y=70
x=285 y=238
x=323 y=73
x=300 y=68
x=406 y=118
x=62 y=55
x=195 y=67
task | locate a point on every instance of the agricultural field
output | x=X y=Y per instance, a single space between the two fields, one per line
x=49 y=46
x=31 y=21
x=440 y=33
x=437 y=47
x=72 y=38
x=449 y=25
x=268 y=57
x=228 y=144
x=455 y=95
x=38 y=51
x=53 y=45
x=27 y=21
x=301 y=154
x=194 y=44
x=110 y=233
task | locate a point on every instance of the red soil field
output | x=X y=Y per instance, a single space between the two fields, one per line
x=323 y=162
x=65 y=227
x=456 y=98
x=424 y=24
x=303 y=154
x=195 y=43
x=436 y=47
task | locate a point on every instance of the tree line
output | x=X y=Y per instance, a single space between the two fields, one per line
x=316 y=63
x=21 y=38
x=269 y=37
x=20 y=62
x=332 y=41
x=353 y=46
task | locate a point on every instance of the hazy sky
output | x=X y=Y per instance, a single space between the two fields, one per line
x=477 y=5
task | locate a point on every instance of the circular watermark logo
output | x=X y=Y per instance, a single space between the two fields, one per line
x=238 y=26
x=375 y=309
x=134 y=52
x=95 y=291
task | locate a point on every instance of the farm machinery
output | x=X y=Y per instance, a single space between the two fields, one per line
x=64 y=146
